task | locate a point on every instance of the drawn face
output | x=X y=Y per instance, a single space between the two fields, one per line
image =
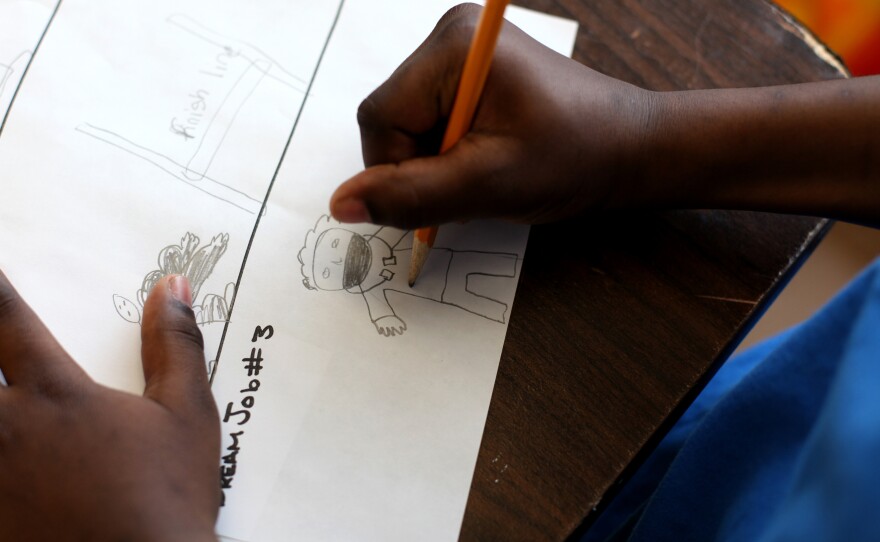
x=342 y=260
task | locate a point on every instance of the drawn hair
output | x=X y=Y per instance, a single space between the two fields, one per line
x=357 y=258
x=306 y=255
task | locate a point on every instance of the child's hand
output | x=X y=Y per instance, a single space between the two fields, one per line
x=550 y=138
x=81 y=461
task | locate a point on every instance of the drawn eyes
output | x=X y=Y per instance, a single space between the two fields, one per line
x=326 y=273
x=335 y=243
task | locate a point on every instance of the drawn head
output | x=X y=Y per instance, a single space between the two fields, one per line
x=334 y=258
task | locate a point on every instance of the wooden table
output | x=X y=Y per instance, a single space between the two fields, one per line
x=620 y=320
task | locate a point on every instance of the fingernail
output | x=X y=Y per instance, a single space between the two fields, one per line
x=351 y=211
x=180 y=289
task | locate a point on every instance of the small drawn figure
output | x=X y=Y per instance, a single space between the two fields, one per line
x=196 y=264
x=335 y=258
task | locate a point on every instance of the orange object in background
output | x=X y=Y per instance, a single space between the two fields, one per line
x=851 y=28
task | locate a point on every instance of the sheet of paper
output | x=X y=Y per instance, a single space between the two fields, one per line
x=22 y=23
x=205 y=137
x=384 y=447
x=165 y=123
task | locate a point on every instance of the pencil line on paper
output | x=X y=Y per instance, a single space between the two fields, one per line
x=195 y=28
x=366 y=262
x=196 y=262
x=222 y=192
x=220 y=123
x=238 y=106
x=272 y=184
x=9 y=69
x=28 y=66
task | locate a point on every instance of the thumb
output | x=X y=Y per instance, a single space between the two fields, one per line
x=462 y=184
x=172 y=351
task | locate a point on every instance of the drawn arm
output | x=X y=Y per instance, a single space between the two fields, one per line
x=382 y=313
x=391 y=236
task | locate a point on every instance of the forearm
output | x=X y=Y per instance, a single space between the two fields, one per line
x=807 y=149
x=553 y=138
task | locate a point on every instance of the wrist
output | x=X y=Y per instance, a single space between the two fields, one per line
x=608 y=145
x=649 y=188
x=689 y=153
x=644 y=126
x=802 y=149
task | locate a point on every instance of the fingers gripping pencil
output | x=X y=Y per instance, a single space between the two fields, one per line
x=473 y=79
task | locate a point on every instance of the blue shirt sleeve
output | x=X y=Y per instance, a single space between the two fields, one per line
x=781 y=445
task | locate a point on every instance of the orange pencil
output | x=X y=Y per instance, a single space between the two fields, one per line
x=473 y=78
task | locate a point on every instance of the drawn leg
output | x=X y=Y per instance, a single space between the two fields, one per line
x=461 y=291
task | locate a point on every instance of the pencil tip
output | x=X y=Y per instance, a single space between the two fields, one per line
x=420 y=252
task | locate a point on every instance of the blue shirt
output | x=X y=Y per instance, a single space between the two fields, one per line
x=782 y=444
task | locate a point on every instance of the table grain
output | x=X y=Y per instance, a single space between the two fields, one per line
x=620 y=319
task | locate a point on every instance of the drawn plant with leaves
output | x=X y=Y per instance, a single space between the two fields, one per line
x=196 y=263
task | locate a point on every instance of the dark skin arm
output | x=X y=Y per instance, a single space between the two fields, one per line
x=553 y=138
x=84 y=462
x=809 y=149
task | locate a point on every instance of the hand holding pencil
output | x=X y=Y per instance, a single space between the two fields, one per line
x=473 y=78
x=550 y=137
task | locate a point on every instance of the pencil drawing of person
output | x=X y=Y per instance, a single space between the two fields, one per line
x=336 y=258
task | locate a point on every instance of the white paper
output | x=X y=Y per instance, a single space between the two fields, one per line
x=22 y=23
x=144 y=140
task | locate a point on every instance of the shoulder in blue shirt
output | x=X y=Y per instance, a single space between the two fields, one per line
x=782 y=444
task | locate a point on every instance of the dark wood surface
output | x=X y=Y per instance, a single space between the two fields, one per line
x=619 y=320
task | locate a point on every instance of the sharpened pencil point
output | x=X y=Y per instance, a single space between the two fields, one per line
x=420 y=253
x=470 y=86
